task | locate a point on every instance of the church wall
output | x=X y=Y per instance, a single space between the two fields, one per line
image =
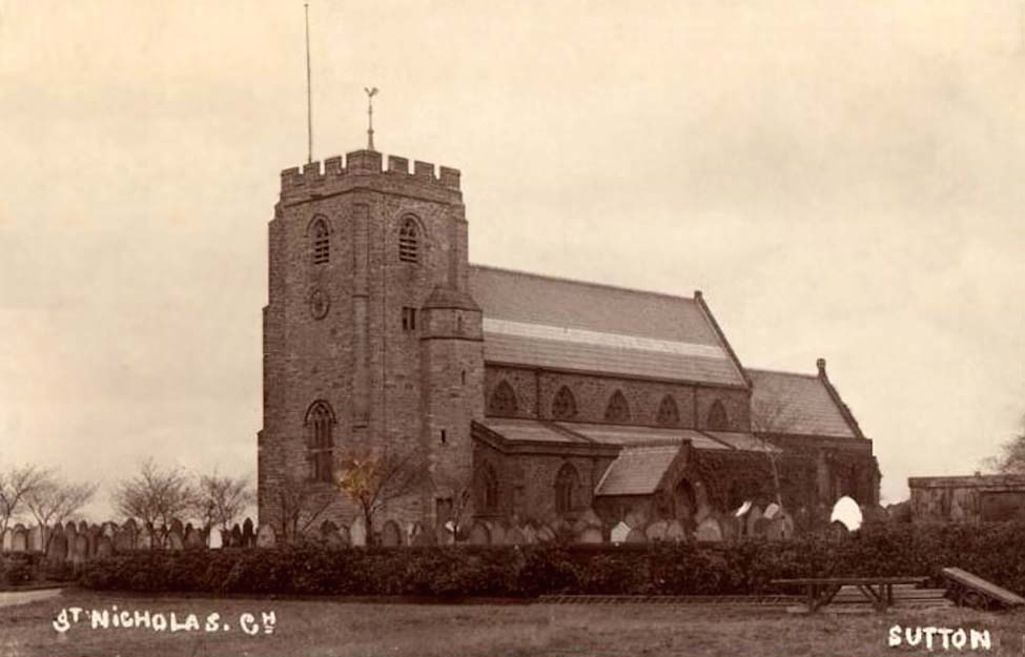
x=535 y=391
x=523 y=382
x=736 y=402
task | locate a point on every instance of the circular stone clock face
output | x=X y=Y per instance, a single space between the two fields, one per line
x=319 y=304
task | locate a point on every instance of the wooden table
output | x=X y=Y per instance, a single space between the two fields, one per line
x=877 y=590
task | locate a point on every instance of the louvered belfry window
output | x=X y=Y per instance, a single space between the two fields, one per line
x=409 y=241
x=668 y=413
x=321 y=243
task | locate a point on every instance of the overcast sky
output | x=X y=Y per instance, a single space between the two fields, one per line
x=841 y=179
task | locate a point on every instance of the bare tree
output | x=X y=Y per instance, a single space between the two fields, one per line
x=458 y=492
x=222 y=499
x=156 y=495
x=297 y=503
x=372 y=480
x=775 y=415
x=55 y=500
x=1011 y=459
x=16 y=483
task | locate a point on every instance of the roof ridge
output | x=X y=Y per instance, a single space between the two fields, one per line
x=563 y=279
x=767 y=370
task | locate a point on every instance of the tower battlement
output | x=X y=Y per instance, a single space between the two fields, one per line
x=336 y=174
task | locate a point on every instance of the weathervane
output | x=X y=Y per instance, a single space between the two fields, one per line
x=371 y=92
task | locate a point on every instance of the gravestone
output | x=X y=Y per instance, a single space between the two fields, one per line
x=754 y=515
x=529 y=534
x=675 y=532
x=144 y=540
x=248 y=533
x=83 y=527
x=327 y=529
x=635 y=536
x=620 y=532
x=343 y=536
x=79 y=549
x=35 y=539
x=7 y=540
x=174 y=540
x=109 y=529
x=216 y=538
x=545 y=534
x=391 y=535
x=358 y=532
x=235 y=539
x=780 y=528
x=177 y=526
x=590 y=534
x=19 y=539
x=480 y=534
x=515 y=537
x=424 y=538
x=123 y=541
x=636 y=518
x=332 y=540
x=193 y=538
x=70 y=529
x=265 y=537
x=761 y=525
x=497 y=533
x=104 y=546
x=656 y=531
x=709 y=530
x=57 y=549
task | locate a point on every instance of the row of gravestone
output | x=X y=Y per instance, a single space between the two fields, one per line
x=78 y=542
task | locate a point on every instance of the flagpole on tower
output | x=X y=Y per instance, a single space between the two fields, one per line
x=309 y=91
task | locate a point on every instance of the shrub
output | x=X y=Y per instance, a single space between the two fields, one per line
x=746 y=567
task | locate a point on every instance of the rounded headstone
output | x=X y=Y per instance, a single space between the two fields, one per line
x=709 y=530
x=480 y=534
x=391 y=535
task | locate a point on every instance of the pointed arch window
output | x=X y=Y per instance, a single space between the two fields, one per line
x=321 y=241
x=668 y=412
x=566 y=483
x=718 y=420
x=503 y=400
x=488 y=489
x=564 y=406
x=320 y=443
x=617 y=410
x=409 y=241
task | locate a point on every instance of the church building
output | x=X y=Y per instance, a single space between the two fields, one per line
x=527 y=398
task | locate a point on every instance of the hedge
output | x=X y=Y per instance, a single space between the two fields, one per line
x=991 y=551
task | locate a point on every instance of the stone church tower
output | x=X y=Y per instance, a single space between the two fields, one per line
x=371 y=339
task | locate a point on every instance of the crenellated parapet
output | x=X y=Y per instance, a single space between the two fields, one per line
x=365 y=168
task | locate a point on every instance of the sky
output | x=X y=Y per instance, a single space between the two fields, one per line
x=841 y=179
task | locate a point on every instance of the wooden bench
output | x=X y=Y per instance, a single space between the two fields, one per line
x=973 y=591
x=876 y=590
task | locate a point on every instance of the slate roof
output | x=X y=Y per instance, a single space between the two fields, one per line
x=743 y=441
x=795 y=404
x=637 y=470
x=615 y=434
x=524 y=429
x=540 y=321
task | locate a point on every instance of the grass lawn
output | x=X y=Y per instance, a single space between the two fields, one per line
x=338 y=627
